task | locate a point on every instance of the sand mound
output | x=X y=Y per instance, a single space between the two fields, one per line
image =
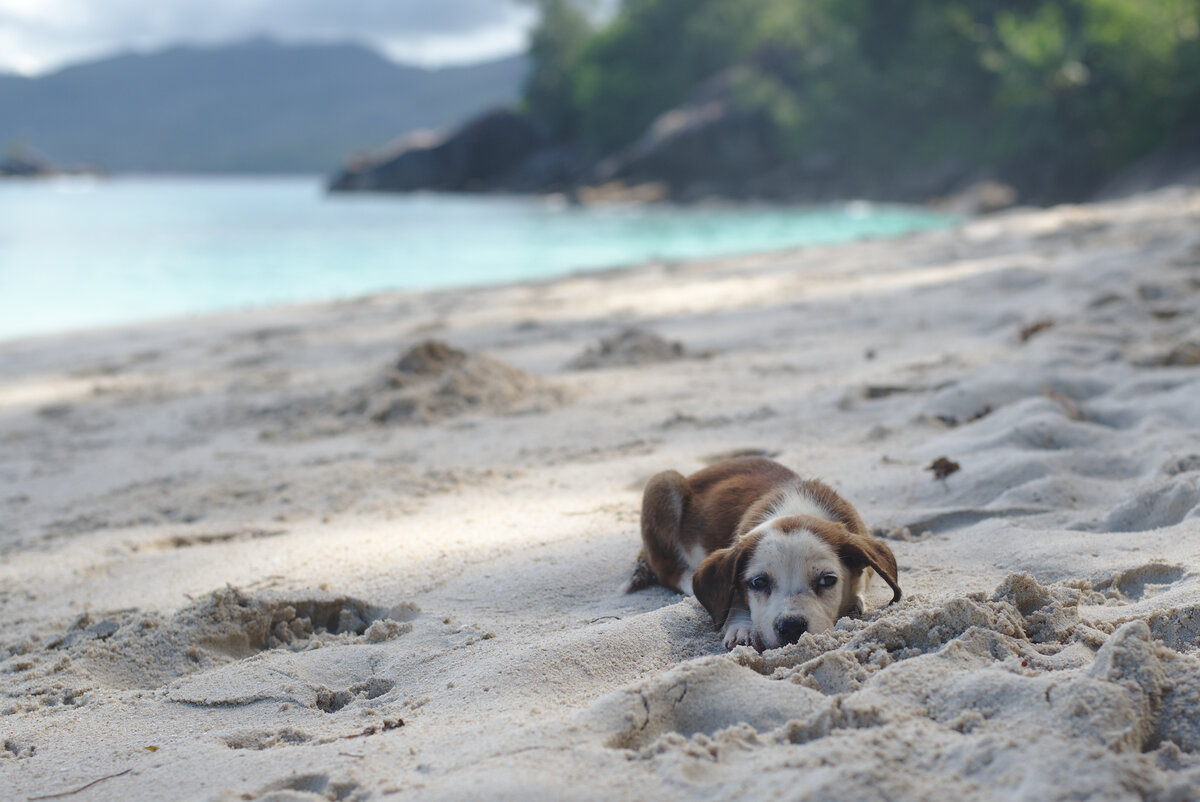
x=430 y=382
x=630 y=346
x=128 y=649
x=430 y=358
x=433 y=381
x=980 y=696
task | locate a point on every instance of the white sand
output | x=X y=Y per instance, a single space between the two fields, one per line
x=243 y=558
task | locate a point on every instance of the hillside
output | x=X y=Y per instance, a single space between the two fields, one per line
x=253 y=106
x=898 y=100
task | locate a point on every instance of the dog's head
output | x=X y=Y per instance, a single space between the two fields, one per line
x=794 y=574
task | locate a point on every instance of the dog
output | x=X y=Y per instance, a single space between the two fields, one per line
x=769 y=555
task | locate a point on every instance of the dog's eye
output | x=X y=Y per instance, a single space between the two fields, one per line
x=827 y=581
x=760 y=583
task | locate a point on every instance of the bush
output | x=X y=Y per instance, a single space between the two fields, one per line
x=1054 y=94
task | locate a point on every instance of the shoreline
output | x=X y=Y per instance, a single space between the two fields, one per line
x=249 y=542
x=198 y=247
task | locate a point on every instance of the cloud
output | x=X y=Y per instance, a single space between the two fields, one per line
x=36 y=35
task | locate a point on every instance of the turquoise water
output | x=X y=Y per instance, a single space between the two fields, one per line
x=78 y=254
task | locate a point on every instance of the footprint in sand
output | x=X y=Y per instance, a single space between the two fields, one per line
x=260 y=739
x=316 y=787
x=1163 y=503
x=1143 y=581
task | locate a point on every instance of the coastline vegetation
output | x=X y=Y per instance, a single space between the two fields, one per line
x=1052 y=96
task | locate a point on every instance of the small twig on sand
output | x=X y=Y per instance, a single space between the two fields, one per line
x=80 y=788
x=604 y=617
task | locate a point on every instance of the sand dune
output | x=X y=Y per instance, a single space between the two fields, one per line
x=279 y=555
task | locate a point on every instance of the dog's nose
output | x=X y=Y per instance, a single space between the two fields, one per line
x=791 y=628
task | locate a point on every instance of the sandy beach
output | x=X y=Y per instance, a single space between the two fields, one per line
x=374 y=549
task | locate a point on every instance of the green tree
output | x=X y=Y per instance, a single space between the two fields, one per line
x=651 y=57
x=1054 y=94
x=554 y=47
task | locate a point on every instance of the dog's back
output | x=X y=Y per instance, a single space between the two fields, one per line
x=686 y=518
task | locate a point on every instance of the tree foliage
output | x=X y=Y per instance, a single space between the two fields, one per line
x=1054 y=93
x=555 y=48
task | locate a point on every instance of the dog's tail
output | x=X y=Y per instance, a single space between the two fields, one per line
x=643 y=576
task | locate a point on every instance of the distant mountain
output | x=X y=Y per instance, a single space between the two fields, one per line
x=254 y=106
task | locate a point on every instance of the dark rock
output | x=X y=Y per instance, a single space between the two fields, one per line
x=24 y=167
x=710 y=145
x=479 y=156
x=715 y=145
x=557 y=168
x=945 y=176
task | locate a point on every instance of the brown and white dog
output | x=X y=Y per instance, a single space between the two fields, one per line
x=769 y=555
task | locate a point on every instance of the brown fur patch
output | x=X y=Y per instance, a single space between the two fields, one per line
x=858 y=551
x=717 y=585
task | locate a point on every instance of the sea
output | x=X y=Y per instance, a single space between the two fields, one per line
x=84 y=253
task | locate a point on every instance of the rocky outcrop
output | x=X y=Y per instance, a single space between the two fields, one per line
x=556 y=168
x=482 y=155
x=25 y=167
x=711 y=146
x=708 y=146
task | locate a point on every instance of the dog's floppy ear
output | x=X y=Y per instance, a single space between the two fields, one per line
x=715 y=583
x=860 y=550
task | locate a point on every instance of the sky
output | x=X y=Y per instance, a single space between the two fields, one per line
x=37 y=36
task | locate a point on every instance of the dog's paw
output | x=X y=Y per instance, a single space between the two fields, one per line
x=742 y=636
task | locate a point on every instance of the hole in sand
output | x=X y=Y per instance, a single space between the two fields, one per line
x=333 y=701
x=265 y=739
x=148 y=651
